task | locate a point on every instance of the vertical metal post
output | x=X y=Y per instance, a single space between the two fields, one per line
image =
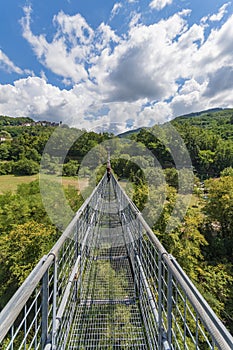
x=139 y=254
x=25 y=326
x=77 y=248
x=169 y=307
x=185 y=321
x=36 y=322
x=54 y=303
x=12 y=336
x=44 y=311
x=77 y=240
x=160 y=301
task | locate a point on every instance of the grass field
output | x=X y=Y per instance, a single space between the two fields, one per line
x=10 y=182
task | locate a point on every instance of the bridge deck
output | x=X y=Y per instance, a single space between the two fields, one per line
x=107 y=315
x=108 y=284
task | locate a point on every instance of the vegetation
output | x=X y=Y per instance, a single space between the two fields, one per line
x=202 y=243
x=26 y=234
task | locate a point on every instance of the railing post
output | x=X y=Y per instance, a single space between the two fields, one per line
x=77 y=248
x=54 y=303
x=169 y=307
x=139 y=254
x=77 y=240
x=160 y=301
x=12 y=336
x=44 y=311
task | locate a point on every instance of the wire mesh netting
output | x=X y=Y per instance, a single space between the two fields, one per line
x=108 y=314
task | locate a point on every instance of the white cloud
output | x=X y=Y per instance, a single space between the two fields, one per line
x=218 y=16
x=35 y=98
x=138 y=68
x=69 y=49
x=135 y=19
x=160 y=4
x=115 y=10
x=8 y=65
x=146 y=76
x=216 y=51
x=104 y=36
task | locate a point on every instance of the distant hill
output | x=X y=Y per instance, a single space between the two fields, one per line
x=16 y=126
x=211 y=110
x=11 y=121
x=219 y=121
x=215 y=118
x=214 y=113
x=129 y=133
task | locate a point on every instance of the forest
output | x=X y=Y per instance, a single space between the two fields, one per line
x=202 y=243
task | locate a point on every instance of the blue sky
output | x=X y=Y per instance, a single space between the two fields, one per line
x=92 y=64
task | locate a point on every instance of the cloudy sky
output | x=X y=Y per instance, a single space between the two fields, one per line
x=92 y=64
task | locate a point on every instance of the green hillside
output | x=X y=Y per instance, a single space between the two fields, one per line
x=217 y=120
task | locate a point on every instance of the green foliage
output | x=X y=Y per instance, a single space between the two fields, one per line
x=21 y=249
x=209 y=140
x=227 y=172
x=4 y=151
x=140 y=195
x=187 y=242
x=25 y=167
x=26 y=233
x=171 y=176
x=6 y=167
x=219 y=206
x=216 y=282
x=6 y=121
x=73 y=197
x=70 y=168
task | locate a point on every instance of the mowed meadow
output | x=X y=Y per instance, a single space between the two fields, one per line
x=11 y=182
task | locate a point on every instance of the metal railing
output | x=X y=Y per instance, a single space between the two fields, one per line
x=40 y=313
x=174 y=314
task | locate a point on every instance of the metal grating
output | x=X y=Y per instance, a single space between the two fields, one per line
x=107 y=327
x=108 y=314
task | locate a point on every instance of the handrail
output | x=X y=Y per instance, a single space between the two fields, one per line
x=213 y=324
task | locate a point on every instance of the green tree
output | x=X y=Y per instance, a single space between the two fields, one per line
x=219 y=218
x=26 y=167
x=4 y=150
x=6 y=167
x=171 y=176
x=227 y=172
x=71 y=168
x=21 y=249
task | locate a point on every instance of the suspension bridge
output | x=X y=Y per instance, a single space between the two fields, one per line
x=108 y=283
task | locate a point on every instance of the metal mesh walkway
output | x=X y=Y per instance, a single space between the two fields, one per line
x=107 y=315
